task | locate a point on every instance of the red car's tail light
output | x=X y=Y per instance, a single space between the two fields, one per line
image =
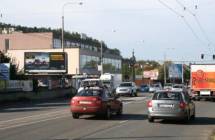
x=182 y=105
x=73 y=100
x=149 y=103
x=97 y=100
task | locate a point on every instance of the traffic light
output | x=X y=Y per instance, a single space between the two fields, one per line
x=213 y=56
x=202 y=56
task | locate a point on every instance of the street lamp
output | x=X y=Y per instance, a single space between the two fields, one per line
x=101 y=45
x=101 y=57
x=132 y=63
x=64 y=5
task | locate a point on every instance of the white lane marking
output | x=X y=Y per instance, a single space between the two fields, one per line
x=32 y=116
x=24 y=124
x=134 y=100
x=123 y=121
x=104 y=130
x=127 y=103
x=31 y=120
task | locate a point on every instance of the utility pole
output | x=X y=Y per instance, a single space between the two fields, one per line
x=164 y=68
x=132 y=63
x=62 y=22
x=101 y=57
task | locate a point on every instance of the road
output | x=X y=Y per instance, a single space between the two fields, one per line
x=53 y=121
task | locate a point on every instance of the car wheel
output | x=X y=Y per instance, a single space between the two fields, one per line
x=132 y=94
x=150 y=119
x=135 y=94
x=193 y=116
x=107 y=113
x=197 y=99
x=187 y=118
x=120 y=110
x=75 y=115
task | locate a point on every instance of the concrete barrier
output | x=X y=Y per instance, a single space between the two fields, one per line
x=41 y=95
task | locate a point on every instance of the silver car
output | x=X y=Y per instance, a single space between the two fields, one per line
x=178 y=87
x=127 y=88
x=155 y=87
x=171 y=105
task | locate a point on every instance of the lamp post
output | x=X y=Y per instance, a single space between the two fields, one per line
x=101 y=54
x=101 y=57
x=62 y=30
x=62 y=34
x=164 y=68
x=132 y=63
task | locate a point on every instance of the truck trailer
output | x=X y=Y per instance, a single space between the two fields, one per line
x=203 y=81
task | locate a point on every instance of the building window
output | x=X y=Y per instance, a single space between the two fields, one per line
x=56 y=43
x=88 y=61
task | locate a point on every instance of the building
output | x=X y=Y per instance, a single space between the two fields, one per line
x=81 y=58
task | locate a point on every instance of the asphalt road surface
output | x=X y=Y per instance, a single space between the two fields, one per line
x=52 y=120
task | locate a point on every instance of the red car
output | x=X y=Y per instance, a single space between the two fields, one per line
x=92 y=101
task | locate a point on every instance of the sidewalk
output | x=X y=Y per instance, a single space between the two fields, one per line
x=40 y=95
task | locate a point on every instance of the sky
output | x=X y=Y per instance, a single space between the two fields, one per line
x=154 y=29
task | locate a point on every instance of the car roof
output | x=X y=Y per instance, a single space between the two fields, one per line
x=125 y=82
x=178 y=85
x=164 y=91
x=93 y=88
x=91 y=80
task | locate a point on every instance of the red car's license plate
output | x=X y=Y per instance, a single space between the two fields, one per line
x=85 y=102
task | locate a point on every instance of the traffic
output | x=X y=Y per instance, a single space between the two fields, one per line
x=99 y=97
x=107 y=70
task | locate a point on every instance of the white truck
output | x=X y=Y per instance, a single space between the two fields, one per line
x=203 y=81
x=112 y=81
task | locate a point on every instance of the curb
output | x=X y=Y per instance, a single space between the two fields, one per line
x=32 y=96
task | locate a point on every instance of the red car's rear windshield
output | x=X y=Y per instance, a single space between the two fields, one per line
x=90 y=93
x=167 y=96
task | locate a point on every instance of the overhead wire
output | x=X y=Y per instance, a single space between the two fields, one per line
x=197 y=21
x=184 y=19
x=174 y=11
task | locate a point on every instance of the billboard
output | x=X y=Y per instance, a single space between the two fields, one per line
x=45 y=62
x=175 y=71
x=152 y=74
x=4 y=71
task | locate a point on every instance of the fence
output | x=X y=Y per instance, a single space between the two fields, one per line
x=16 y=85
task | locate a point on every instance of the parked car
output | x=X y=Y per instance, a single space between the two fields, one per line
x=144 y=88
x=127 y=88
x=95 y=102
x=155 y=87
x=171 y=105
x=178 y=87
x=90 y=83
x=168 y=86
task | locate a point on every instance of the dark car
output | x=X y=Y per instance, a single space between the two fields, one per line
x=144 y=88
x=92 y=101
x=171 y=105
